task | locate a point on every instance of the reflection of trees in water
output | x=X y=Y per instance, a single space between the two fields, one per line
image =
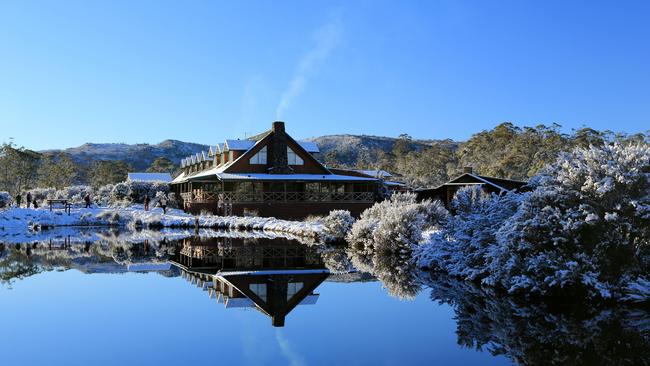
x=393 y=268
x=528 y=334
x=539 y=334
x=20 y=261
x=16 y=263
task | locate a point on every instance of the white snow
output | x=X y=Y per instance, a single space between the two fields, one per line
x=150 y=177
x=18 y=223
x=239 y=144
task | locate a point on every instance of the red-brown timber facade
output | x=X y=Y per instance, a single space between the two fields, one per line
x=270 y=174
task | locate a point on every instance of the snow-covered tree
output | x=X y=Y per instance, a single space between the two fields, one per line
x=465 y=246
x=585 y=227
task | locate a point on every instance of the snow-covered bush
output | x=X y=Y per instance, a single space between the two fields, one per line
x=121 y=192
x=385 y=235
x=5 y=199
x=468 y=242
x=103 y=195
x=428 y=215
x=74 y=194
x=141 y=189
x=169 y=197
x=338 y=223
x=585 y=228
x=41 y=194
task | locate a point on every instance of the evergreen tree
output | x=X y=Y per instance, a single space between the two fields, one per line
x=105 y=172
x=162 y=165
x=56 y=171
x=17 y=168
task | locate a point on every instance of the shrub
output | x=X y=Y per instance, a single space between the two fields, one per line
x=121 y=192
x=41 y=194
x=139 y=190
x=103 y=195
x=5 y=199
x=338 y=223
x=467 y=244
x=383 y=239
x=74 y=194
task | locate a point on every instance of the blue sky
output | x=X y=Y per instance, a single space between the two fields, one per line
x=144 y=71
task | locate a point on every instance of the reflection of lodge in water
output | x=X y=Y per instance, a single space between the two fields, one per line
x=272 y=276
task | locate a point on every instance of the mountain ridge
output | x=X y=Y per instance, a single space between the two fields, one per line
x=141 y=155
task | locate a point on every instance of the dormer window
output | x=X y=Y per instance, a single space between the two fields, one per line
x=293 y=158
x=260 y=157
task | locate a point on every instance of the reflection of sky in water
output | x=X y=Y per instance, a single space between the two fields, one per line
x=70 y=318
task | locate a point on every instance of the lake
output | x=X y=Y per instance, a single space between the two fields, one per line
x=79 y=297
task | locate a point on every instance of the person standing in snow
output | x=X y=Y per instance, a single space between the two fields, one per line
x=146 y=202
x=19 y=198
x=87 y=200
x=34 y=202
x=29 y=199
x=163 y=204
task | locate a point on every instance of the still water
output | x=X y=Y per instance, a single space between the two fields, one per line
x=170 y=298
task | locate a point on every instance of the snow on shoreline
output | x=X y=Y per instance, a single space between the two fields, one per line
x=18 y=221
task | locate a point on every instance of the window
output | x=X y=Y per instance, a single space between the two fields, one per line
x=259 y=289
x=292 y=289
x=292 y=158
x=260 y=157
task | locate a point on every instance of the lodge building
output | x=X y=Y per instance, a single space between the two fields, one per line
x=270 y=174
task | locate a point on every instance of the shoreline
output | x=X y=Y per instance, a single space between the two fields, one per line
x=15 y=221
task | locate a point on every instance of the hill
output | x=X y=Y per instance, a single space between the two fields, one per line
x=349 y=147
x=139 y=156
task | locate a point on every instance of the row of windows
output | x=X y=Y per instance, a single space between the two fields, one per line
x=261 y=157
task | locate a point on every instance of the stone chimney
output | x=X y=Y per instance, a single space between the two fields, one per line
x=280 y=164
x=468 y=169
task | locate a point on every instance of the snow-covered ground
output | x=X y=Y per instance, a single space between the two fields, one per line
x=22 y=223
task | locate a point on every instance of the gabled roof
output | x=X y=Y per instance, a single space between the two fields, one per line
x=149 y=177
x=304 y=148
x=498 y=183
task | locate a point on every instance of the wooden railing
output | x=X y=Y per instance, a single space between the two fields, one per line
x=279 y=197
x=201 y=197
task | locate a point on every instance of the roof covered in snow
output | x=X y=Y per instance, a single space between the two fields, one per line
x=239 y=144
x=150 y=177
x=375 y=173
